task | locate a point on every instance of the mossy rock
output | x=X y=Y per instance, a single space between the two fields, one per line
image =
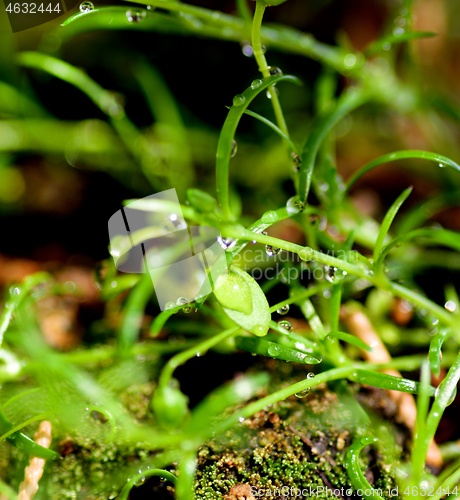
x=299 y=444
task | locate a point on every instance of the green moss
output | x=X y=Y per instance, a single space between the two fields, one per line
x=299 y=444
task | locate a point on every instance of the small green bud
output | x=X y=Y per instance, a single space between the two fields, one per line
x=201 y=201
x=170 y=406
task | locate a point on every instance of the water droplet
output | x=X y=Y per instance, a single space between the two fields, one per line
x=169 y=305
x=349 y=61
x=327 y=294
x=246 y=48
x=269 y=217
x=264 y=233
x=151 y=7
x=310 y=375
x=274 y=71
x=256 y=84
x=296 y=161
x=175 y=223
x=386 y=46
x=283 y=310
x=398 y=31
x=294 y=205
x=270 y=90
x=450 y=305
x=330 y=338
x=272 y=251
x=330 y=273
x=452 y=397
x=441 y=165
x=182 y=301
x=273 y=350
x=86 y=7
x=234 y=149
x=239 y=100
x=226 y=243
x=15 y=290
x=285 y=325
x=306 y=254
x=302 y=394
x=140 y=481
x=135 y=15
x=370 y=273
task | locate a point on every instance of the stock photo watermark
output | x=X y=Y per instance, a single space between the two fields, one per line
x=150 y=235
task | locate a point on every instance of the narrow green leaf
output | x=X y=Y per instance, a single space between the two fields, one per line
x=444 y=237
x=435 y=353
x=274 y=127
x=224 y=146
x=257 y=321
x=348 y=101
x=388 y=219
x=385 y=381
x=354 y=472
x=274 y=350
x=395 y=39
x=401 y=155
x=351 y=339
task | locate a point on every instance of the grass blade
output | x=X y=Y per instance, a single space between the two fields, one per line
x=349 y=100
x=402 y=155
x=387 y=220
x=224 y=146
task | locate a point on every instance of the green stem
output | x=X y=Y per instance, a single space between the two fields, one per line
x=308 y=254
x=262 y=63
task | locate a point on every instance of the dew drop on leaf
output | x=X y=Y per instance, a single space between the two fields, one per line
x=239 y=100
x=302 y=394
x=226 y=243
x=274 y=71
x=256 y=84
x=135 y=15
x=234 y=149
x=283 y=310
x=294 y=205
x=270 y=90
x=272 y=251
x=296 y=161
x=86 y=7
x=330 y=273
x=246 y=48
x=285 y=325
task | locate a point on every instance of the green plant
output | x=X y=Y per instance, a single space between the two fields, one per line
x=356 y=258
